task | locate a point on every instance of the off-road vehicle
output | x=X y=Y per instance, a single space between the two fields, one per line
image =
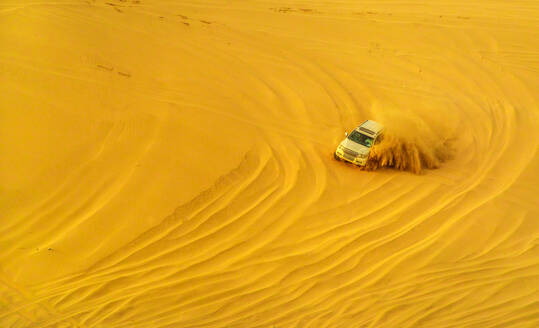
x=355 y=148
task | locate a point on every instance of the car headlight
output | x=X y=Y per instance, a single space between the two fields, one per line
x=340 y=149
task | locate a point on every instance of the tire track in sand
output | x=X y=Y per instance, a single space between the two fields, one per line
x=291 y=238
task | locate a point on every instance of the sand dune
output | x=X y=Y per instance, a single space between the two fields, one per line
x=169 y=164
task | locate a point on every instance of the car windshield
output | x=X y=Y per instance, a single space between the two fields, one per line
x=360 y=138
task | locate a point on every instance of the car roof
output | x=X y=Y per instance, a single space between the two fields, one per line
x=371 y=128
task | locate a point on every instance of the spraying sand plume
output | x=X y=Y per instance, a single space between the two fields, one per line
x=414 y=140
x=407 y=155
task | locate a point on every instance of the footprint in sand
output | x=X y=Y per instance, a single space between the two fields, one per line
x=110 y=69
x=113 y=5
x=105 y=67
x=288 y=10
x=282 y=9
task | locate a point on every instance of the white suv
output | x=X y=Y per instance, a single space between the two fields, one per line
x=357 y=145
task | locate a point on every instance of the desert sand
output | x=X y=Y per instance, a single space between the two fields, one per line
x=169 y=164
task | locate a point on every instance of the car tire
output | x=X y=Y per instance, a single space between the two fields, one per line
x=336 y=157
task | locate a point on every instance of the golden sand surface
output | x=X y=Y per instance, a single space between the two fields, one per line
x=169 y=164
